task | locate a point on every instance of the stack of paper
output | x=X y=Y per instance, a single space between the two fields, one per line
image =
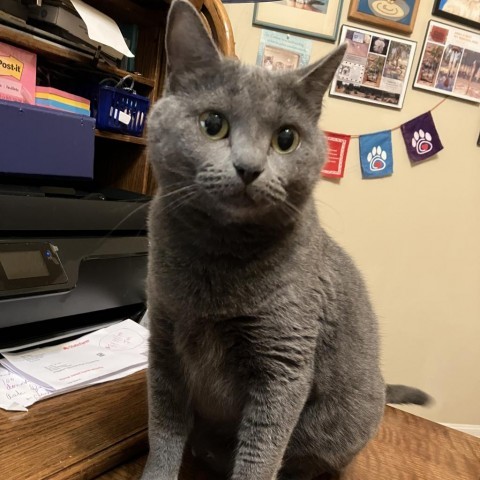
x=101 y=356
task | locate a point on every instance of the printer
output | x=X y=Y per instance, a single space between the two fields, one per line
x=69 y=264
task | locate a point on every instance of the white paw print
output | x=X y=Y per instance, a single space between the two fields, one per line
x=422 y=142
x=377 y=159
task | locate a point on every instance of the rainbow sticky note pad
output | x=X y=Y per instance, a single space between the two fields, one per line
x=59 y=100
x=18 y=73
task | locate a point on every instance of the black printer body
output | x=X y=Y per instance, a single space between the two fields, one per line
x=68 y=264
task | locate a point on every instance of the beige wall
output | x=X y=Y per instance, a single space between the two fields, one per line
x=415 y=235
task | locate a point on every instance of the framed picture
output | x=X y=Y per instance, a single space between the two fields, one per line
x=314 y=18
x=450 y=62
x=375 y=69
x=281 y=51
x=466 y=12
x=396 y=15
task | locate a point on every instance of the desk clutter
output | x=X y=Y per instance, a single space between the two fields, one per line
x=24 y=78
x=107 y=354
x=115 y=104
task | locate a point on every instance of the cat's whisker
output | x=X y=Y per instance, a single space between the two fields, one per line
x=116 y=227
x=176 y=203
x=291 y=207
x=180 y=204
x=182 y=172
x=124 y=219
x=178 y=191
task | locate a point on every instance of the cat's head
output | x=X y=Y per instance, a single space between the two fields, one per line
x=237 y=142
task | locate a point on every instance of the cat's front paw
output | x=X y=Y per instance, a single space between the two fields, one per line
x=153 y=472
x=153 y=475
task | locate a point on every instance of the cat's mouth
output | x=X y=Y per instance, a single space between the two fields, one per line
x=239 y=199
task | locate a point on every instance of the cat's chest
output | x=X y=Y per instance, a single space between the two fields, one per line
x=213 y=382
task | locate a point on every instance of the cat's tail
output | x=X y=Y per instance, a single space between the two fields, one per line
x=403 y=394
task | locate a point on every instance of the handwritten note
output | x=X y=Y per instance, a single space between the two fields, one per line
x=17 y=393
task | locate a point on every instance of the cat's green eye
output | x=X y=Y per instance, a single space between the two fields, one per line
x=285 y=140
x=214 y=125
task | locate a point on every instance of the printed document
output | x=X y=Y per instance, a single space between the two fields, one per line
x=104 y=355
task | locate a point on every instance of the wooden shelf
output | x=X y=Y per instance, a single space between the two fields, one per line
x=120 y=160
x=57 y=52
x=120 y=137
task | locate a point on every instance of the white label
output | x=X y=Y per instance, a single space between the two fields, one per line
x=124 y=118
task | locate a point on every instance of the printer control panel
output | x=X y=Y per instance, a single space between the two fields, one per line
x=29 y=264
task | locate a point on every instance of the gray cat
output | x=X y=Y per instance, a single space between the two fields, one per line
x=264 y=354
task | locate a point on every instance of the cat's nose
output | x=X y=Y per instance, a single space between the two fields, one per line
x=248 y=174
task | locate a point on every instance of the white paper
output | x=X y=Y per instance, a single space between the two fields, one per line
x=102 y=28
x=79 y=362
x=17 y=393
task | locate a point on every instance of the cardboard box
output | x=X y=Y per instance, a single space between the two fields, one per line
x=18 y=74
x=39 y=141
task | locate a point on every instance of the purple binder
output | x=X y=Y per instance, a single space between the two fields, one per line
x=41 y=141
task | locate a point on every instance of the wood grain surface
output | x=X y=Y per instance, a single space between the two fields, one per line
x=77 y=435
x=406 y=448
x=103 y=428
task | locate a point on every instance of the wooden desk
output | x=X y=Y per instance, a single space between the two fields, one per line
x=78 y=435
x=101 y=429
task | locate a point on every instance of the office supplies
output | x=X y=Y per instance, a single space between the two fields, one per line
x=60 y=100
x=40 y=141
x=17 y=74
x=104 y=355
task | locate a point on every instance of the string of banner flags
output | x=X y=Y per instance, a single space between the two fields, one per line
x=376 y=156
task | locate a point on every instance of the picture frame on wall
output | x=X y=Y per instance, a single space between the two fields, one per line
x=399 y=15
x=375 y=69
x=315 y=18
x=281 y=51
x=450 y=62
x=465 y=12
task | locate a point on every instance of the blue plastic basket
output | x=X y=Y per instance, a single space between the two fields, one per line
x=121 y=111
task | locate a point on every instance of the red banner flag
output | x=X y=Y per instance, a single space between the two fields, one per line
x=337 y=155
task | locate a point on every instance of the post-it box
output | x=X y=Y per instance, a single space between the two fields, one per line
x=18 y=74
x=40 y=141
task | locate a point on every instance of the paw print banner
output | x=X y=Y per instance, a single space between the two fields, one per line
x=376 y=156
x=421 y=137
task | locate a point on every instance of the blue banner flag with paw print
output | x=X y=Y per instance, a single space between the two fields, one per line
x=421 y=137
x=376 y=156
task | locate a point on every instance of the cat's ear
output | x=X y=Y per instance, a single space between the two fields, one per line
x=188 y=45
x=315 y=79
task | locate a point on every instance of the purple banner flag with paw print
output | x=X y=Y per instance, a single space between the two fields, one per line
x=421 y=137
x=376 y=156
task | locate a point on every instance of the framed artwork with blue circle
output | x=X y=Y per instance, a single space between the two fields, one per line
x=396 y=15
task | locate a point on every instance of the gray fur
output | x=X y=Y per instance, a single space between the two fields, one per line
x=402 y=394
x=264 y=349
